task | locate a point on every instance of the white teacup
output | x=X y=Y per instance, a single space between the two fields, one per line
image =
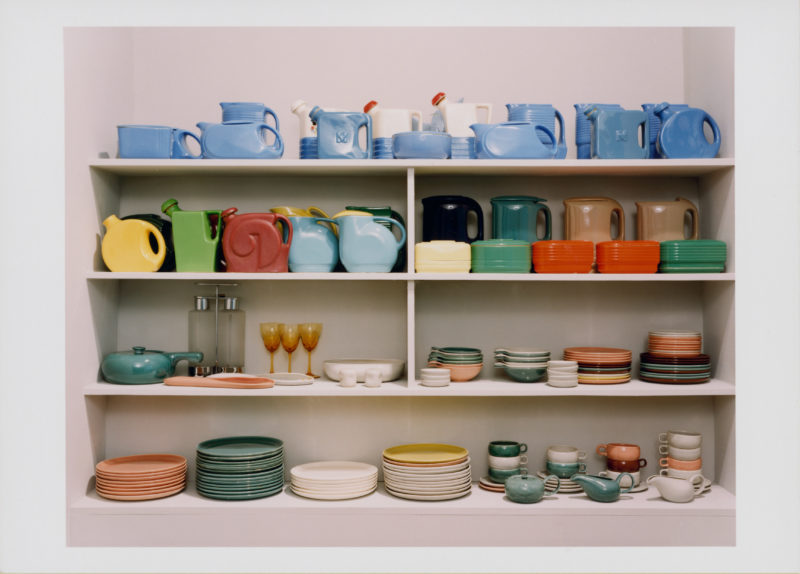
x=507 y=462
x=681 y=439
x=565 y=454
x=679 y=453
x=349 y=378
x=624 y=482
x=675 y=473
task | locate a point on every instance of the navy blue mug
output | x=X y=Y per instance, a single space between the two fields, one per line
x=446 y=217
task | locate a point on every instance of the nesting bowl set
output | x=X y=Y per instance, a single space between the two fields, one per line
x=522 y=364
x=464 y=363
x=600 y=365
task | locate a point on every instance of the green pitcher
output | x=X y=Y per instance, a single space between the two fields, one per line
x=195 y=235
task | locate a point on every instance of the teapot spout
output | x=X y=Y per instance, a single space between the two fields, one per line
x=204 y=125
x=479 y=129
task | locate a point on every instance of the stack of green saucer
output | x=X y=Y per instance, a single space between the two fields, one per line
x=240 y=467
x=693 y=256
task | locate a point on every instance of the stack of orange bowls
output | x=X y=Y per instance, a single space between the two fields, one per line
x=563 y=256
x=600 y=365
x=628 y=256
x=675 y=357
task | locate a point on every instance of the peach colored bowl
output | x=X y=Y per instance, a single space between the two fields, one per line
x=619 y=451
x=462 y=373
x=670 y=462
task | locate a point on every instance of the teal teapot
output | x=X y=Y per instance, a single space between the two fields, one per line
x=600 y=488
x=367 y=246
x=527 y=489
x=315 y=247
x=143 y=366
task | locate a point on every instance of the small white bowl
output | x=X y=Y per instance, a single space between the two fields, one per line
x=435 y=383
x=563 y=383
x=562 y=364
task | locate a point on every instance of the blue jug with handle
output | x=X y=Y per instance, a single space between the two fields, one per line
x=682 y=134
x=237 y=137
x=337 y=134
x=367 y=246
x=615 y=134
x=314 y=248
x=655 y=125
x=513 y=140
x=583 y=128
x=544 y=115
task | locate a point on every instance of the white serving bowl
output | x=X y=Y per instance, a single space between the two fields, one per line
x=563 y=383
x=391 y=369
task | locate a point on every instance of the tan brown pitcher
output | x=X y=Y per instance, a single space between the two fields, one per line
x=591 y=218
x=664 y=220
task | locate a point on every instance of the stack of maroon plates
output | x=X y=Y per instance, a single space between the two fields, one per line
x=600 y=365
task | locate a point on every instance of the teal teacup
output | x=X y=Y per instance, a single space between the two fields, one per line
x=507 y=448
x=565 y=469
x=501 y=475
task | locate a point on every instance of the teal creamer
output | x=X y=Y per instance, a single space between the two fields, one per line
x=337 y=134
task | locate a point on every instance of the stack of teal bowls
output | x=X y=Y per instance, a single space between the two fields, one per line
x=693 y=256
x=501 y=256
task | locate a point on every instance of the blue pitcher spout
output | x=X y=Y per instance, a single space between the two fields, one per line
x=204 y=125
x=480 y=129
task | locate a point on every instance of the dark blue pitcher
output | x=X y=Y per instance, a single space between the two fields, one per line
x=445 y=217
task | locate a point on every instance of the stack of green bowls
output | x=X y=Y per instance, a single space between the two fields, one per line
x=693 y=256
x=240 y=467
x=501 y=256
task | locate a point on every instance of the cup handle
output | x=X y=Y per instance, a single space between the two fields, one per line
x=662 y=463
x=662 y=437
x=278 y=145
x=523 y=447
x=697 y=485
x=399 y=226
x=642 y=462
x=581 y=467
x=318 y=212
x=286 y=236
x=645 y=126
x=551 y=136
x=488 y=108
x=180 y=137
x=695 y=221
x=581 y=455
x=621 y=223
x=416 y=114
x=558 y=484
x=269 y=112
x=523 y=459
x=663 y=472
x=619 y=480
x=547 y=228
x=601 y=450
x=663 y=449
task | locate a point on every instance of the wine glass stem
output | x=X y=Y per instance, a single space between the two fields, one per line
x=290 y=362
x=309 y=373
x=272 y=362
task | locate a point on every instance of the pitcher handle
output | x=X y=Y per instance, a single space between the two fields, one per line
x=367 y=123
x=619 y=481
x=547 y=224
x=287 y=231
x=562 y=143
x=399 y=226
x=180 y=138
x=476 y=207
x=715 y=129
x=269 y=112
x=698 y=488
x=488 y=108
x=621 y=227
x=551 y=136
x=278 y=145
x=147 y=250
x=318 y=212
x=692 y=209
x=416 y=114
x=645 y=125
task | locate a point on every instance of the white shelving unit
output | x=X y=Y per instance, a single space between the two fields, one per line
x=390 y=315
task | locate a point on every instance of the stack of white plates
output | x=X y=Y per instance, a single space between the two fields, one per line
x=435 y=377
x=427 y=471
x=334 y=479
x=566 y=486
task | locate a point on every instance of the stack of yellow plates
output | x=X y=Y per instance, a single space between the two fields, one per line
x=427 y=471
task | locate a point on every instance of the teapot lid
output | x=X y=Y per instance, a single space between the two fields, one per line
x=369 y=105
x=438 y=98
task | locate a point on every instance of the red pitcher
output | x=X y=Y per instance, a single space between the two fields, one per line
x=252 y=242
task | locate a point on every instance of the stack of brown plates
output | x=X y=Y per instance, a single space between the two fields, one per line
x=141 y=477
x=675 y=343
x=675 y=357
x=600 y=365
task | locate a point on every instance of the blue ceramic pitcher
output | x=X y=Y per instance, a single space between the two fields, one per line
x=615 y=134
x=655 y=124
x=366 y=245
x=583 y=128
x=337 y=134
x=681 y=134
x=240 y=141
x=513 y=140
x=247 y=113
x=315 y=248
x=544 y=115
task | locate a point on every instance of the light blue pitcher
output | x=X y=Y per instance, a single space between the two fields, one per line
x=544 y=115
x=367 y=246
x=314 y=248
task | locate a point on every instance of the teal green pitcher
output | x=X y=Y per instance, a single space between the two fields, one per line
x=195 y=235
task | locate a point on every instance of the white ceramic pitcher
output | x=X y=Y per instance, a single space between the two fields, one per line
x=460 y=116
x=390 y=121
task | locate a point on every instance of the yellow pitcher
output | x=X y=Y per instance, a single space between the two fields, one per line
x=127 y=245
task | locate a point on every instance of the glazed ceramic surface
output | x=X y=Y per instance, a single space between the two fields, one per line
x=141 y=366
x=196 y=235
x=527 y=489
x=314 y=247
x=615 y=134
x=565 y=469
x=600 y=488
x=516 y=217
x=682 y=134
x=507 y=448
x=240 y=141
x=664 y=220
x=127 y=245
x=541 y=114
x=387 y=122
x=682 y=439
x=165 y=227
x=445 y=217
x=390 y=369
x=252 y=242
x=591 y=219
x=421 y=145
x=565 y=454
x=367 y=246
x=513 y=140
x=458 y=117
x=678 y=489
x=583 y=127
x=338 y=134
x=155 y=142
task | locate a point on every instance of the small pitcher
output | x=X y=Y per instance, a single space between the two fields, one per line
x=127 y=246
x=544 y=115
x=196 y=237
x=664 y=220
x=591 y=219
x=616 y=134
x=252 y=243
x=516 y=217
x=338 y=134
x=445 y=217
x=458 y=117
x=315 y=248
x=367 y=246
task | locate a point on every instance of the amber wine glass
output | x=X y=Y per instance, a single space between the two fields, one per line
x=309 y=333
x=271 y=335
x=290 y=338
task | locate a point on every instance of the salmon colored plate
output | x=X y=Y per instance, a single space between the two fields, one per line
x=151 y=496
x=141 y=464
x=426 y=453
x=171 y=481
x=612 y=382
x=141 y=475
x=137 y=491
x=221 y=383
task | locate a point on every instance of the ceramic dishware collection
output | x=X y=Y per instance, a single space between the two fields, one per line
x=140 y=477
x=351 y=371
x=600 y=365
x=562 y=462
x=506 y=458
x=674 y=357
x=563 y=374
x=464 y=363
x=427 y=472
x=333 y=480
x=442 y=256
x=628 y=256
x=435 y=377
x=522 y=364
x=239 y=467
x=563 y=256
x=623 y=459
x=681 y=460
x=693 y=256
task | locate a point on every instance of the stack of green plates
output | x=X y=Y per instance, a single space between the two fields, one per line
x=693 y=256
x=240 y=467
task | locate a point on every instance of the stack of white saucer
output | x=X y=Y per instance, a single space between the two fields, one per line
x=435 y=377
x=562 y=373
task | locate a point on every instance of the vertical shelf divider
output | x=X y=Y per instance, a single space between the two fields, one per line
x=410 y=301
